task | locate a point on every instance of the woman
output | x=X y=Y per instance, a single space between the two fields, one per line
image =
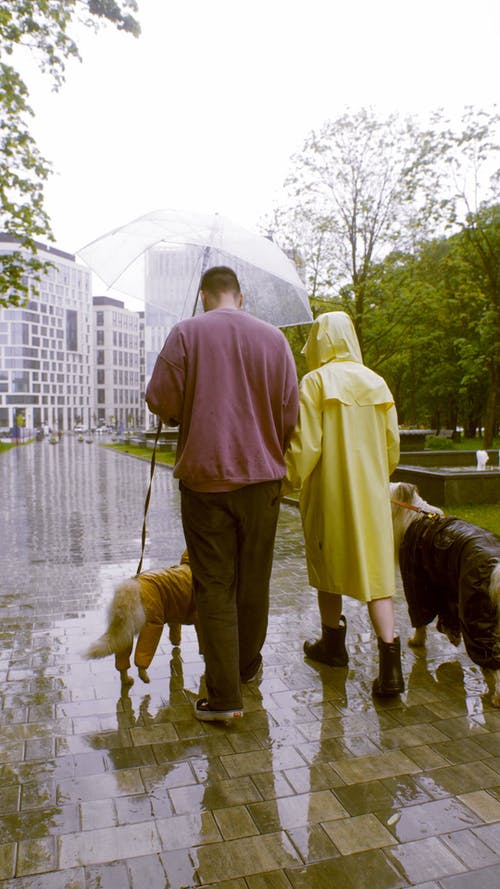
x=343 y=450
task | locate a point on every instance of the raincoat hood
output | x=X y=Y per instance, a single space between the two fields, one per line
x=332 y=337
x=332 y=350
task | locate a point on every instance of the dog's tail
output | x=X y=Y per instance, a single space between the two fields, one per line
x=102 y=647
x=126 y=618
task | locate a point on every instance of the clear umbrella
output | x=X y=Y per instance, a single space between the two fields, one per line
x=160 y=257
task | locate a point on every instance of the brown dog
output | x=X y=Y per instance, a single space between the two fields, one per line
x=142 y=606
x=450 y=570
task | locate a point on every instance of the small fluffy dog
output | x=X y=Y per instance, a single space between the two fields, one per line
x=142 y=606
x=450 y=570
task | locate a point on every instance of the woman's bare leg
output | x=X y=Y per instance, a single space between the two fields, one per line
x=381 y=613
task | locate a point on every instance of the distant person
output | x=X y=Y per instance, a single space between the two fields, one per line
x=343 y=450
x=229 y=381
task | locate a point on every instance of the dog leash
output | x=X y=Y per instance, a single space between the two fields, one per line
x=148 y=496
x=430 y=515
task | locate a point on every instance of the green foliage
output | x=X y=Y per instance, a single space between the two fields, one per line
x=23 y=172
x=399 y=226
x=445 y=305
x=358 y=187
x=143 y=453
x=439 y=443
x=43 y=28
x=297 y=336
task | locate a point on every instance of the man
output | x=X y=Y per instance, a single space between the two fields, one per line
x=344 y=448
x=229 y=381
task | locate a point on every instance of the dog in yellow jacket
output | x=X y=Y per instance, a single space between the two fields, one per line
x=142 y=606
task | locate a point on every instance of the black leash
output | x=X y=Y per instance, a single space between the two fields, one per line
x=148 y=496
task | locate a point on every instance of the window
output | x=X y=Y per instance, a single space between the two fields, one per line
x=99 y=319
x=20 y=399
x=19 y=334
x=100 y=356
x=71 y=330
x=100 y=338
x=20 y=381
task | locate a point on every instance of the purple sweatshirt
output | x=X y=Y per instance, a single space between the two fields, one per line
x=229 y=381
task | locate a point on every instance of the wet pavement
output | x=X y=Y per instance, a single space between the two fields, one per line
x=317 y=786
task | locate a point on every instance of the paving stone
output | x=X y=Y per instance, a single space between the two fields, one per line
x=319 y=785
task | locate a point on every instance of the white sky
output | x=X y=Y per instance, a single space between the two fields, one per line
x=204 y=110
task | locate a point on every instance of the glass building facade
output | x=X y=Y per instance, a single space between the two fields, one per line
x=46 y=348
x=118 y=349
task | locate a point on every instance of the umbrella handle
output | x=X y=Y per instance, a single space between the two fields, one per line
x=148 y=496
x=204 y=266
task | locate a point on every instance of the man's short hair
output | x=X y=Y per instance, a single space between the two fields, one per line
x=220 y=279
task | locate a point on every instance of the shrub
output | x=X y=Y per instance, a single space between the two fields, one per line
x=439 y=443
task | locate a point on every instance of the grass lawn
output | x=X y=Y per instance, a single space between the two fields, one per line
x=167 y=457
x=468 y=444
x=6 y=446
x=486 y=515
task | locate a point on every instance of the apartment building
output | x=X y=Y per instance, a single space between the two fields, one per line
x=46 y=347
x=172 y=279
x=119 y=363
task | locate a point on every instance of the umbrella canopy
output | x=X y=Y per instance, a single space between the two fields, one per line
x=160 y=257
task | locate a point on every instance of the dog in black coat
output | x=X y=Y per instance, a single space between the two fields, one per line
x=450 y=570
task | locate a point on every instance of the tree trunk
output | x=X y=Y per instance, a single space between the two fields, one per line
x=491 y=409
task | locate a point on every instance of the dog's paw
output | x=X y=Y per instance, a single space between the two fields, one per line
x=143 y=674
x=418 y=638
x=453 y=635
x=126 y=680
x=175 y=633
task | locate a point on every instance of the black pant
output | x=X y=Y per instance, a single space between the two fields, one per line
x=230 y=539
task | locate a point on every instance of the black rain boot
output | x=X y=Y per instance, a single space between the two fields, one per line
x=330 y=648
x=390 y=677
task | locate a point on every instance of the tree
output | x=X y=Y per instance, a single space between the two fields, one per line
x=432 y=327
x=477 y=247
x=358 y=188
x=383 y=216
x=42 y=27
x=473 y=206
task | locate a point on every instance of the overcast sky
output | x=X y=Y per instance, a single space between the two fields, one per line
x=204 y=110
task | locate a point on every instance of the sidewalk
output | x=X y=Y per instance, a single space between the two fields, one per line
x=318 y=786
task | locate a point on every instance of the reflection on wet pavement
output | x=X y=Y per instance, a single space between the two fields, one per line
x=317 y=786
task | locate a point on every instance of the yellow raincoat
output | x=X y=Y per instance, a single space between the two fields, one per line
x=343 y=450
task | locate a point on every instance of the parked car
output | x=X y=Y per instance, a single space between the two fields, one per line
x=80 y=428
